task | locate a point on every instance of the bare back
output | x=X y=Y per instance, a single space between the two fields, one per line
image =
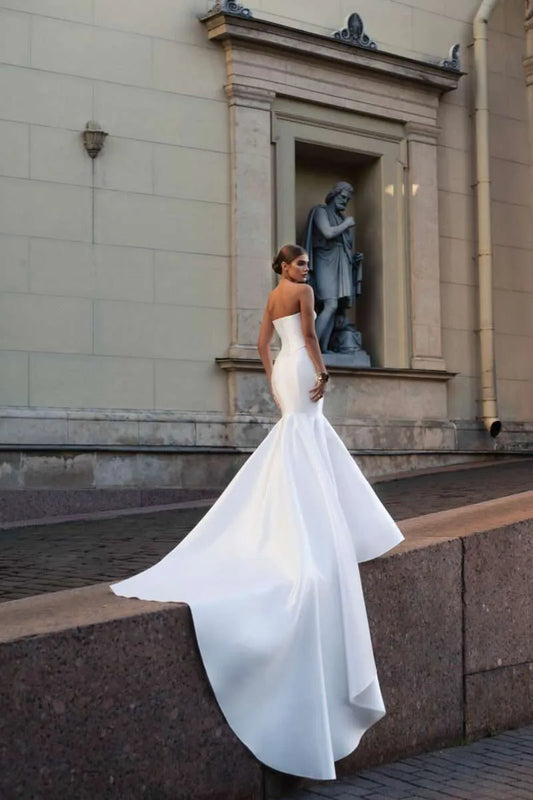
x=284 y=300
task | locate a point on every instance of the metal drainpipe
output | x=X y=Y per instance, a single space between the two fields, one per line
x=489 y=402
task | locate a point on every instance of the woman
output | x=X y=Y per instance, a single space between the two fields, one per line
x=270 y=573
x=292 y=297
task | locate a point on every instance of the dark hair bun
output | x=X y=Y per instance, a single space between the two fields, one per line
x=276 y=265
x=287 y=254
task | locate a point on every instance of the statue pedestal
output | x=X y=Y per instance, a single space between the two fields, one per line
x=359 y=358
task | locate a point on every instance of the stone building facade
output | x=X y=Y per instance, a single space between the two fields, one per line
x=132 y=284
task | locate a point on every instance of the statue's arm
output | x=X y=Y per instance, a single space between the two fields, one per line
x=327 y=230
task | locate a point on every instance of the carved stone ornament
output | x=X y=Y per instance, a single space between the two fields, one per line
x=230 y=7
x=529 y=9
x=454 y=59
x=354 y=33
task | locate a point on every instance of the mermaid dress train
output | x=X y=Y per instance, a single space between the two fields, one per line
x=271 y=577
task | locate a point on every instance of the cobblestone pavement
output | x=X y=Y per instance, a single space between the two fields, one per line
x=427 y=493
x=497 y=768
x=47 y=558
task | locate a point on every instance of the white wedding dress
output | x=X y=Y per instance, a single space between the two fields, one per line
x=271 y=577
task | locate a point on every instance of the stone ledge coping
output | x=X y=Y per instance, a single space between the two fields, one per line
x=72 y=608
x=455 y=523
x=76 y=608
x=255 y=365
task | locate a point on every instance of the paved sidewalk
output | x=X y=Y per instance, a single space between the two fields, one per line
x=64 y=555
x=497 y=768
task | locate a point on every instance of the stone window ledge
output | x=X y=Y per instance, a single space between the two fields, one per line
x=255 y=365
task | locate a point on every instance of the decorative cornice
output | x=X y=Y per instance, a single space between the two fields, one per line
x=454 y=58
x=230 y=7
x=240 y=94
x=418 y=132
x=261 y=35
x=354 y=33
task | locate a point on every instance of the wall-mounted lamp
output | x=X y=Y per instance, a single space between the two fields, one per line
x=93 y=138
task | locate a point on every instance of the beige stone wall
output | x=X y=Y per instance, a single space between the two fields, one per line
x=115 y=287
x=512 y=209
x=117 y=297
x=512 y=229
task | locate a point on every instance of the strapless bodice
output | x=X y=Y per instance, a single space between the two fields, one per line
x=293 y=375
x=289 y=330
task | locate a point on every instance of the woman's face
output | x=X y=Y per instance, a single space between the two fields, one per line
x=297 y=269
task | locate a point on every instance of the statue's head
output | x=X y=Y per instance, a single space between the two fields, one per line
x=340 y=195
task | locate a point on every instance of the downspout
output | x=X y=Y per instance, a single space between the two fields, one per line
x=489 y=402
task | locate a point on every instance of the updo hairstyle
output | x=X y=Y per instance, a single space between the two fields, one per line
x=287 y=254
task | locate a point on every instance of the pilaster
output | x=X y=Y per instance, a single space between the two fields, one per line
x=422 y=188
x=251 y=193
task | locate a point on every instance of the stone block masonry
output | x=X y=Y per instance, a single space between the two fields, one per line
x=115 y=704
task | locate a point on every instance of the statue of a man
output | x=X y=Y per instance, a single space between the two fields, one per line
x=329 y=241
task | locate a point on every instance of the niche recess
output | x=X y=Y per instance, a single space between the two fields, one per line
x=317 y=169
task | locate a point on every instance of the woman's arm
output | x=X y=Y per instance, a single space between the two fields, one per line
x=330 y=231
x=307 y=311
x=263 y=343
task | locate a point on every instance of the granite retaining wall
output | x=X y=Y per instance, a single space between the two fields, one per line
x=106 y=697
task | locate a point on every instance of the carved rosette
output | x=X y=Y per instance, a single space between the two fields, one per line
x=230 y=7
x=354 y=33
x=454 y=58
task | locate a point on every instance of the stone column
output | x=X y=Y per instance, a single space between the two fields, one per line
x=422 y=188
x=251 y=211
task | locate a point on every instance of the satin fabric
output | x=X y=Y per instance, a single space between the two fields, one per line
x=270 y=574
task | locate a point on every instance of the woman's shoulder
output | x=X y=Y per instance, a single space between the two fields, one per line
x=305 y=290
x=299 y=291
